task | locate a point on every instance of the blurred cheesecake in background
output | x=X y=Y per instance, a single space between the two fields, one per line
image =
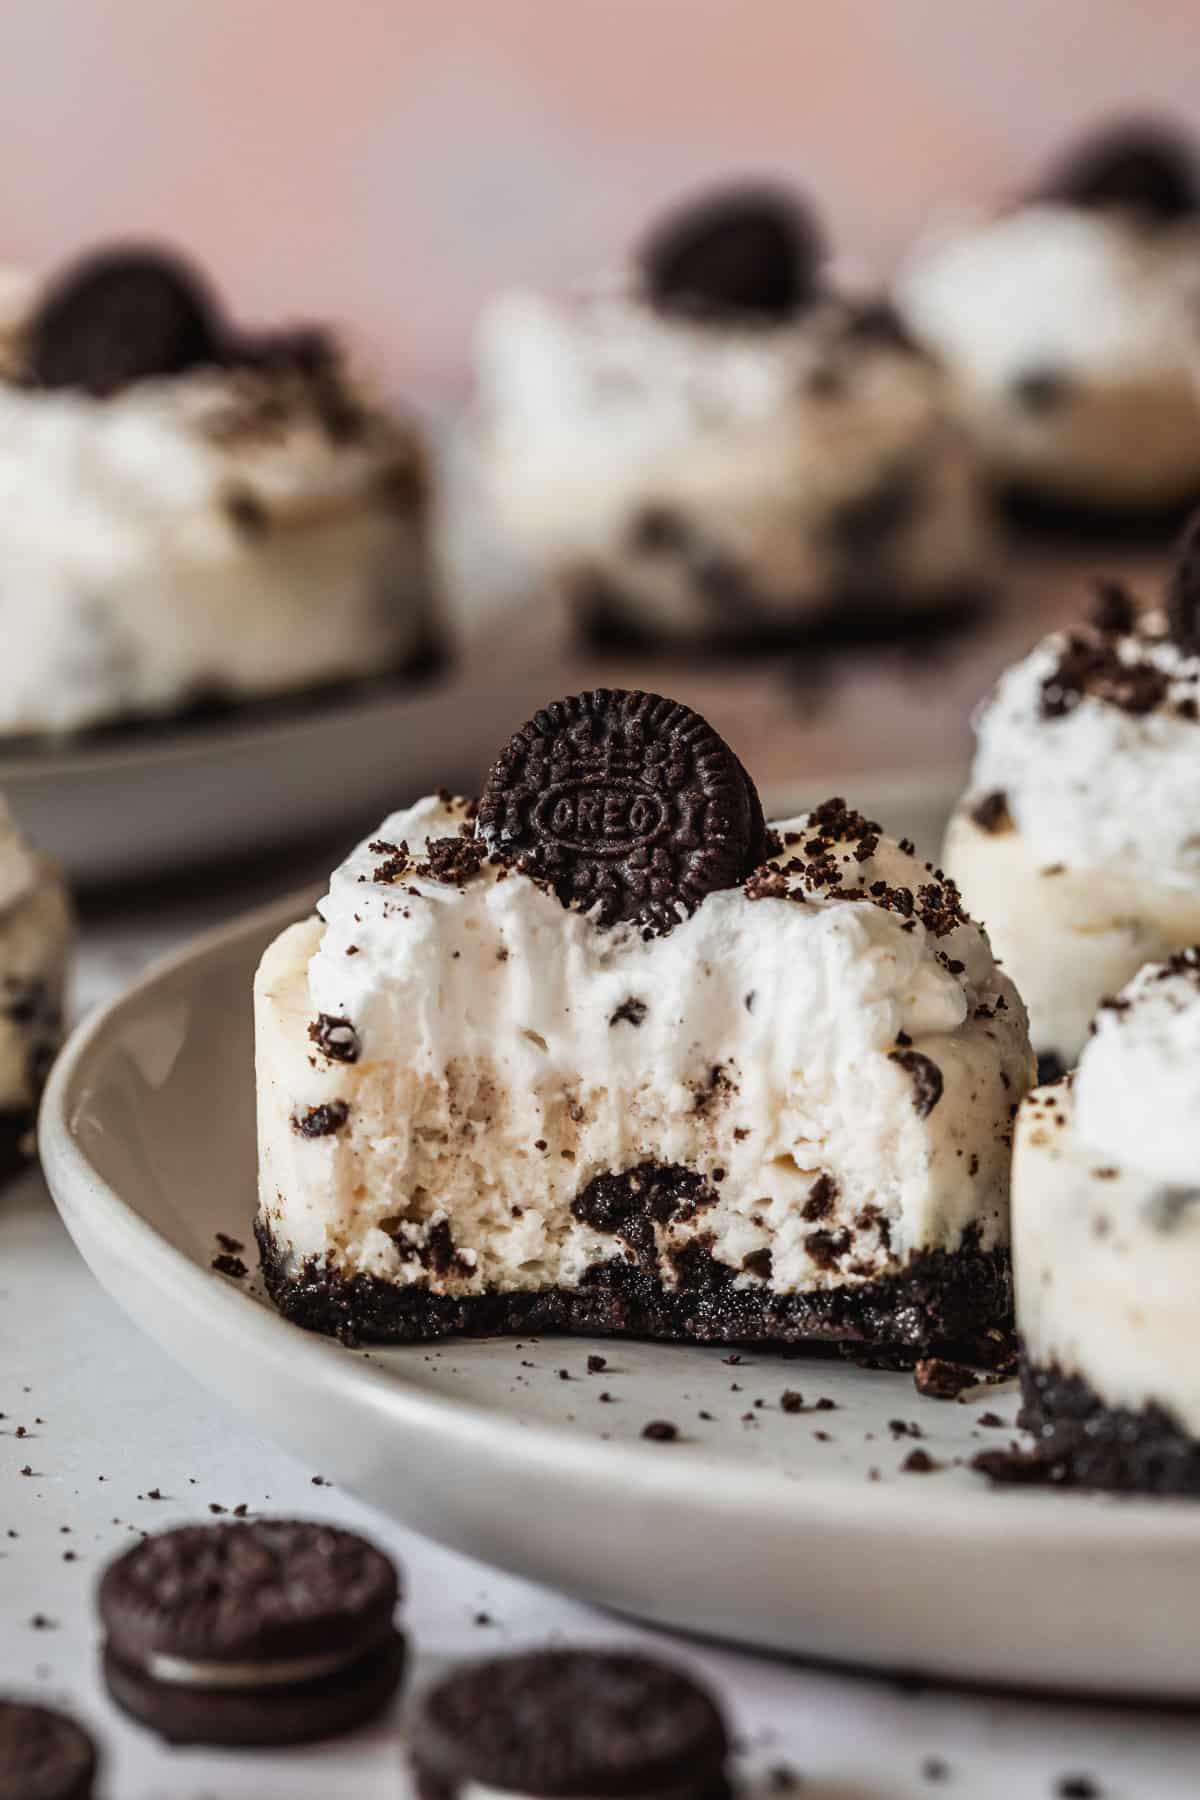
x=1106 y=1246
x=1072 y=320
x=192 y=515
x=1078 y=841
x=36 y=930
x=716 y=448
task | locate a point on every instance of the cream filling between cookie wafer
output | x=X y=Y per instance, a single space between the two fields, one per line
x=183 y=1671
x=1106 y=1204
x=837 y=1081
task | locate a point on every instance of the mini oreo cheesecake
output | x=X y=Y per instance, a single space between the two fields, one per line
x=1078 y=840
x=603 y=1053
x=37 y=929
x=1072 y=321
x=1106 y=1243
x=192 y=516
x=277 y=1631
x=717 y=448
x=556 y=1723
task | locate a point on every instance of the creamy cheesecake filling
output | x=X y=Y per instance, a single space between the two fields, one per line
x=219 y=531
x=1078 y=841
x=1106 y=1204
x=722 y=474
x=1074 y=335
x=808 y=1088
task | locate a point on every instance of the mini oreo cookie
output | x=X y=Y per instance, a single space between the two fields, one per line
x=277 y=1631
x=1142 y=166
x=44 y=1755
x=1183 y=591
x=623 y=802
x=750 y=252
x=557 y=1723
x=120 y=316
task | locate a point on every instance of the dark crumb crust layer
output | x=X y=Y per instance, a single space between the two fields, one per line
x=612 y=620
x=958 y=1303
x=1084 y=1442
x=1043 y=515
x=16 y=1138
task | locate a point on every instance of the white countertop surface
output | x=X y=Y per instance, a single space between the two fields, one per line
x=107 y=1418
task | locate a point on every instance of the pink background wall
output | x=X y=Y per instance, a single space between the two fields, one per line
x=389 y=161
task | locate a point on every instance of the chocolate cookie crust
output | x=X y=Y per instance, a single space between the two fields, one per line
x=1082 y=1441
x=956 y=1303
x=559 y=1722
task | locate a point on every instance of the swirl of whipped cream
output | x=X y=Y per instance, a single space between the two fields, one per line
x=1093 y=740
x=1137 y=1088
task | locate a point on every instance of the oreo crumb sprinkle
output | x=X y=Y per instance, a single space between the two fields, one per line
x=991 y=814
x=336 y=1038
x=938 y=1379
x=630 y=1012
x=1091 y=665
x=660 y=1431
x=323 y=1120
x=233 y=1266
x=1077 y=1787
x=926 y=1079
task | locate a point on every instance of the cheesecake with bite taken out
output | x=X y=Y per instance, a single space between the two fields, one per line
x=604 y=1052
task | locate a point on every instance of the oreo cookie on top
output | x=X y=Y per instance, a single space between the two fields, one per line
x=558 y=1723
x=626 y=803
x=276 y=1631
x=44 y=1755
x=119 y=316
x=752 y=252
x=1143 y=166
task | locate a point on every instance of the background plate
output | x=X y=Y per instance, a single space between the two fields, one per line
x=757 y=1525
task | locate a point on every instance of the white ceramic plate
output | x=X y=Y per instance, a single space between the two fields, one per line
x=753 y=1526
x=154 y=803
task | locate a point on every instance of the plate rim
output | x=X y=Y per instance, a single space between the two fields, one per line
x=1102 y=1522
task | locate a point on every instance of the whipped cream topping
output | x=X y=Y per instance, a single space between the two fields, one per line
x=1137 y=1088
x=1092 y=741
x=1047 y=304
x=597 y=407
x=561 y=979
x=828 y=1055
